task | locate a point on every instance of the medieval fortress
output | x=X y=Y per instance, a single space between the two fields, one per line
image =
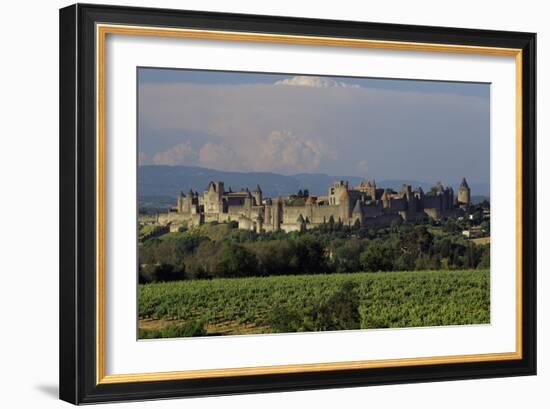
x=365 y=203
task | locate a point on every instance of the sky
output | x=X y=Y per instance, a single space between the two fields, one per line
x=295 y=123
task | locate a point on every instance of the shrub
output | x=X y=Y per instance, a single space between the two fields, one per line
x=153 y=273
x=283 y=319
x=339 y=312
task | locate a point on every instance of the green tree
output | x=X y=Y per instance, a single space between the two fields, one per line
x=377 y=257
x=236 y=261
x=346 y=255
x=202 y=263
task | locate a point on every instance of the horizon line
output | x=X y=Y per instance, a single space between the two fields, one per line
x=306 y=173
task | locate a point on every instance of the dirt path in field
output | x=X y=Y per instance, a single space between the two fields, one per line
x=219 y=328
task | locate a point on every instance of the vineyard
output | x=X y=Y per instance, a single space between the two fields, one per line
x=252 y=305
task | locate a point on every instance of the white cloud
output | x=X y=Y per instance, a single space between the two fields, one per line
x=279 y=151
x=316 y=82
x=180 y=154
x=333 y=128
x=218 y=156
x=286 y=152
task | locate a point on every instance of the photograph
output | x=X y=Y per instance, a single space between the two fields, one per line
x=260 y=202
x=276 y=203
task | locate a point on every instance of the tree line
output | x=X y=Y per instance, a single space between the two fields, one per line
x=333 y=247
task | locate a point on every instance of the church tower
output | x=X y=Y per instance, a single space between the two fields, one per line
x=464 y=193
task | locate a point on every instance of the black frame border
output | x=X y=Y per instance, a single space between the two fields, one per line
x=78 y=197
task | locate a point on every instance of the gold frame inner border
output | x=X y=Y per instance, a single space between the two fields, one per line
x=102 y=30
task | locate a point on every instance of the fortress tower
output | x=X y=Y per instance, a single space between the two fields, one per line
x=385 y=199
x=212 y=197
x=277 y=213
x=257 y=194
x=181 y=199
x=335 y=192
x=464 y=193
x=345 y=205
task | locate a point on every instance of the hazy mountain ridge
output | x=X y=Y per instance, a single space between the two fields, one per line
x=168 y=181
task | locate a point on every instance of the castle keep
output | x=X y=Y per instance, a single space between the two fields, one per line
x=365 y=203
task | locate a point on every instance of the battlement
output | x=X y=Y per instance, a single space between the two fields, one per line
x=364 y=203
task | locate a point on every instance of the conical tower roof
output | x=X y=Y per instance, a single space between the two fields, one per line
x=357 y=208
x=464 y=183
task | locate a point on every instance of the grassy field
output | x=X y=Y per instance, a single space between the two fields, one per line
x=313 y=303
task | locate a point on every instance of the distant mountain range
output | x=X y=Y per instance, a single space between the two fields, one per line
x=158 y=185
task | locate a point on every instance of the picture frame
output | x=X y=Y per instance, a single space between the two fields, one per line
x=83 y=218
